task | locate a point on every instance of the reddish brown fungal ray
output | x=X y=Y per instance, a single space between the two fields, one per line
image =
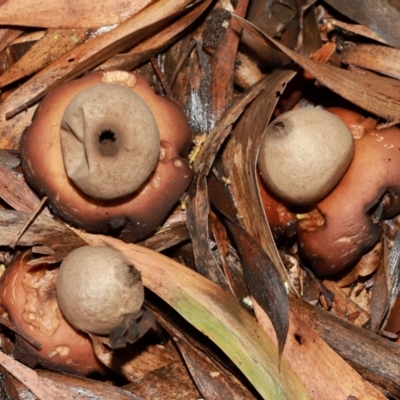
x=281 y=220
x=357 y=123
x=350 y=228
x=136 y=215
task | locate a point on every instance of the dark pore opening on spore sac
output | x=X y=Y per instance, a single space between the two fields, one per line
x=108 y=143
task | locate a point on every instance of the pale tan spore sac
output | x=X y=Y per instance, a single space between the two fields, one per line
x=97 y=287
x=304 y=154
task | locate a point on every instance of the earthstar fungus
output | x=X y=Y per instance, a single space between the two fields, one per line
x=109 y=153
x=368 y=192
x=27 y=294
x=100 y=292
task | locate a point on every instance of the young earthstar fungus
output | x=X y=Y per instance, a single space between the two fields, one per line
x=109 y=153
x=100 y=292
x=335 y=231
x=96 y=292
x=28 y=295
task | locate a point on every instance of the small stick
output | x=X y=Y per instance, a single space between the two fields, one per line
x=14 y=242
x=161 y=77
x=185 y=55
x=20 y=332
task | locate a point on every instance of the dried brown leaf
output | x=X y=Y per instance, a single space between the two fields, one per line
x=156 y=371
x=376 y=359
x=344 y=307
x=167 y=382
x=15 y=191
x=223 y=65
x=8 y=389
x=149 y=47
x=53 y=45
x=228 y=258
x=44 y=231
x=68 y=13
x=393 y=321
x=167 y=238
x=394 y=268
x=377 y=94
x=325 y=374
x=357 y=29
x=263 y=281
x=212 y=381
x=382 y=17
x=44 y=386
x=7 y=36
x=379 y=300
x=384 y=60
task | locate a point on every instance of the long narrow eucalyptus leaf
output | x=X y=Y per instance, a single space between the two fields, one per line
x=216 y=314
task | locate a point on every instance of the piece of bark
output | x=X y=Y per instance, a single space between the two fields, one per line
x=44 y=231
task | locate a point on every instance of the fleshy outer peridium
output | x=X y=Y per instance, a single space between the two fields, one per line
x=27 y=293
x=97 y=287
x=134 y=216
x=304 y=154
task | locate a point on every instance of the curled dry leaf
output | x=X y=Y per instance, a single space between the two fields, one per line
x=68 y=13
x=198 y=207
x=240 y=160
x=224 y=321
x=263 y=281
